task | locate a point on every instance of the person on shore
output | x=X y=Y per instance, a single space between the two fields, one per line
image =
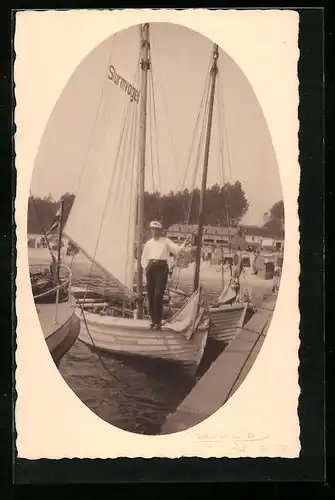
x=154 y=260
x=276 y=276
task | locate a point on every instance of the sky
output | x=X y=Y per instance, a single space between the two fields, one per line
x=87 y=119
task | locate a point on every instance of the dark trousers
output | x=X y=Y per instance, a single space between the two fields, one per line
x=157 y=275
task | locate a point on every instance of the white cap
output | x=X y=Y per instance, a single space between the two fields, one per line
x=156 y=225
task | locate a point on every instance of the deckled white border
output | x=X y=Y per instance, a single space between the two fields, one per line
x=51 y=421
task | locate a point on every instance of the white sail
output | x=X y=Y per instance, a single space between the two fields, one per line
x=102 y=220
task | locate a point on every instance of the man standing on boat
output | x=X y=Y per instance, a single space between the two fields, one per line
x=154 y=261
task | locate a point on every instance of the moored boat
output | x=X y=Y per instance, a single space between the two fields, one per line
x=51 y=288
x=227 y=321
x=44 y=284
x=60 y=328
x=229 y=311
x=113 y=204
x=59 y=323
x=181 y=339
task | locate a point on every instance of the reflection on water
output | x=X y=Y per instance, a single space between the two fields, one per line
x=135 y=394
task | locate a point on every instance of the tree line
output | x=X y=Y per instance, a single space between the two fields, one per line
x=275 y=219
x=222 y=203
x=41 y=211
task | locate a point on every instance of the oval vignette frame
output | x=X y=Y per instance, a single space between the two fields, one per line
x=55 y=134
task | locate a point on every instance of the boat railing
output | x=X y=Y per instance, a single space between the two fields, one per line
x=59 y=286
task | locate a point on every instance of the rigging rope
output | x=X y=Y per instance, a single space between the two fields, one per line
x=221 y=142
x=225 y=128
x=95 y=121
x=152 y=44
x=123 y=173
x=57 y=287
x=204 y=99
x=151 y=81
x=222 y=158
x=97 y=350
x=111 y=185
x=224 y=135
x=103 y=88
x=102 y=362
x=81 y=176
x=150 y=128
x=116 y=173
x=204 y=105
x=222 y=174
x=132 y=173
x=197 y=161
x=117 y=177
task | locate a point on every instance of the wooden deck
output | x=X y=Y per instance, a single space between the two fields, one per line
x=226 y=373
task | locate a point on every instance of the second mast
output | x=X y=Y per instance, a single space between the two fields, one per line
x=213 y=73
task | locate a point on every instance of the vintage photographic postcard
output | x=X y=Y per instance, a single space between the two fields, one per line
x=157 y=233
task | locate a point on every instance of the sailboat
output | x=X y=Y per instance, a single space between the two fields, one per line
x=228 y=312
x=106 y=220
x=54 y=302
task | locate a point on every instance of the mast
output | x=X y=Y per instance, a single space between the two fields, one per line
x=213 y=74
x=60 y=234
x=145 y=66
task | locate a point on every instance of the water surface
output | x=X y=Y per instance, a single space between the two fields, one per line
x=136 y=394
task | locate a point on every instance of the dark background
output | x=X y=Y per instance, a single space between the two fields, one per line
x=310 y=466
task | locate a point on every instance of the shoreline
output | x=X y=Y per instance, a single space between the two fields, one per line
x=182 y=278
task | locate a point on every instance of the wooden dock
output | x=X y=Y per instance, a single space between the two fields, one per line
x=226 y=373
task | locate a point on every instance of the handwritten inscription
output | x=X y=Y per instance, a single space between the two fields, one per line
x=236 y=437
x=244 y=443
x=123 y=84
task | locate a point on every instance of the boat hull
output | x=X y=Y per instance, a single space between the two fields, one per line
x=226 y=321
x=59 y=333
x=62 y=339
x=134 y=337
x=59 y=323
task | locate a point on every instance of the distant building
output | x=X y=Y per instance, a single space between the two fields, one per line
x=261 y=237
x=242 y=237
x=212 y=236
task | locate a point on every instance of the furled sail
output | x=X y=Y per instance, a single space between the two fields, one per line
x=102 y=219
x=186 y=319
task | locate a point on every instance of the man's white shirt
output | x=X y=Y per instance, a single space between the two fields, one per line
x=159 y=249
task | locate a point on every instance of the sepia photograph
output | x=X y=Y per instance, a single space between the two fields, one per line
x=156 y=233
x=155 y=227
